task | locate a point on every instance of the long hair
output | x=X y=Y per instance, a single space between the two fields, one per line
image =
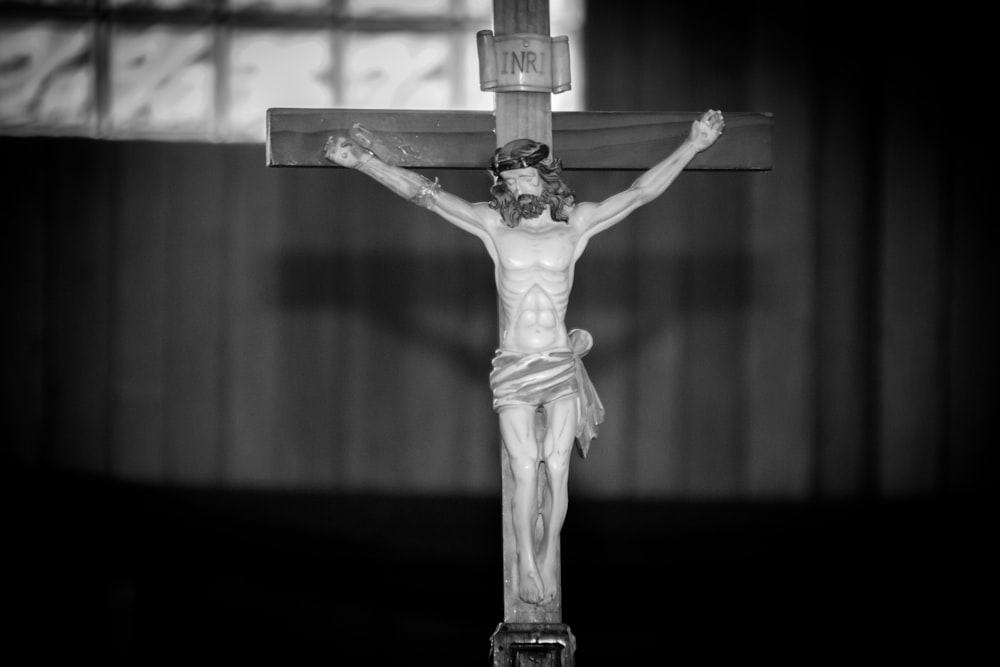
x=528 y=153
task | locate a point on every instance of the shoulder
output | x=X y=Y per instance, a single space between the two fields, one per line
x=487 y=215
x=581 y=215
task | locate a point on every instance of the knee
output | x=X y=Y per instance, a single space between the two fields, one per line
x=557 y=465
x=523 y=464
x=558 y=452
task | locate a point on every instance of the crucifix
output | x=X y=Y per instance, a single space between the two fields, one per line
x=534 y=230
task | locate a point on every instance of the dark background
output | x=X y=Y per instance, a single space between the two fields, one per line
x=154 y=575
x=247 y=414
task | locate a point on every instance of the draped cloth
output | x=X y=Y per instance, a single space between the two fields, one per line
x=536 y=379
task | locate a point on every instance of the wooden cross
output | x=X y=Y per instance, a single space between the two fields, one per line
x=467 y=140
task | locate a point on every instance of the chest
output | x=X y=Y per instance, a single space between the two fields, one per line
x=551 y=250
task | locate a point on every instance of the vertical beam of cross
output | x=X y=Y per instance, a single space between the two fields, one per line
x=522 y=115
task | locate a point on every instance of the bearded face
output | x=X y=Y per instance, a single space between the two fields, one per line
x=554 y=197
x=529 y=206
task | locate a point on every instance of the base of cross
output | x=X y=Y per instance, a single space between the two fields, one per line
x=532 y=644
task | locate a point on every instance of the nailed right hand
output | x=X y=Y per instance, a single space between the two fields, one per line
x=345 y=152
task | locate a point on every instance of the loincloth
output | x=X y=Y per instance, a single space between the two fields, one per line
x=540 y=378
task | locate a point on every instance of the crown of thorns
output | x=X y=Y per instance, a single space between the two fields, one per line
x=498 y=164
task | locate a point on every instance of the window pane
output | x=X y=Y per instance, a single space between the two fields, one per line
x=212 y=68
x=162 y=4
x=468 y=93
x=398 y=70
x=565 y=14
x=480 y=9
x=48 y=3
x=161 y=80
x=279 y=5
x=276 y=68
x=46 y=75
x=399 y=7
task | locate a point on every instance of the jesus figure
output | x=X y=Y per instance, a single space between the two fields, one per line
x=535 y=231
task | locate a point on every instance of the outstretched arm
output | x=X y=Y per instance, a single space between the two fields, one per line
x=593 y=218
x=408 y=184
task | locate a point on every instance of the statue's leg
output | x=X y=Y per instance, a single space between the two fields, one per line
x=517 y=428
x=557 y=450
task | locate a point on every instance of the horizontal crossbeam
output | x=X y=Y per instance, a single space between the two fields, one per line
x=466 y=140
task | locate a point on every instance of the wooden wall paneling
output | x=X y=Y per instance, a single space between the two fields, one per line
x=912 y=346
x=77 y=214
x=848 y=158
x=369 y=398
x=661 y=233
x=25 y=267
x=477 y=429
x=782 y=211
x=306 y=399
x=397 y=298
x=971 y=464
x=717 y=212
x=662 y=269
x=603 y=296
x=716 y=336
x=686 y=65
x=142 y=222
x=603 y=303
x=442 y=271
x=971 y=461
x=195 y=354
x=427 y=333
x=155 y=285
x=253 y=223
x=388 y=306
x=431 y=329
x=349 y=218
x=465 y=335
x=338 y=266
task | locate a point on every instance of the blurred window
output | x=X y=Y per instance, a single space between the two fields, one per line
x=207 y=70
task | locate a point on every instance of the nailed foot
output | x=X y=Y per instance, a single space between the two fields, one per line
x=529 y=584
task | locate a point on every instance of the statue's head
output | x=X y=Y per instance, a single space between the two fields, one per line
x=521 y=154
x=524 y=154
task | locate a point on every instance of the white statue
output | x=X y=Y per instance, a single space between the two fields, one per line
x=535 y=230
